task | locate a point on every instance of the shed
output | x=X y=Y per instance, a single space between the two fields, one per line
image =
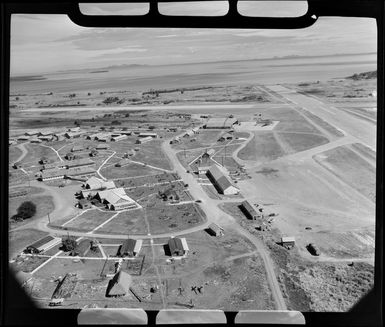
x=84 y=204
x=119 y=285
x=102 y=147
x=288 y=241
x=215 y=230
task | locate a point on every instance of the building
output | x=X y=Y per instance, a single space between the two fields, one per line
x=94 y=183
x=23 y=138
x=12 y=142
x=220 y=123
x=288 y=241
x=43 y=244
x=70 y=156
x=173 y=129
x=215 y=230
x=73 y=129
x=178 y=247
x=102 y=147
x=224 y=137
x=77 y=148
x=82 y=162
x=52 y=174
x=195 y=130
x=93 y=153
x=207 y=154
x=220 y=181
x=118 y=138
x=36 y=140
x=148 y=134
x=188 y=133
x=249 y=211
x=79 y=171
x=119 y=285
x=144 y=140
x=104 y=139
x=72 y=135
x=45 y=133
x=130 y=248
x=31 y=133
x=84 y=204
x=47 y=138
x=202 y=170
x=48 y=166
x=115 y=199
x=128 y=133
x=176 y=139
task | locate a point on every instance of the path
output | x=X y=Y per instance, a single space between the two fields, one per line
x=24 y=151
x=50 y=147
x=101 y=166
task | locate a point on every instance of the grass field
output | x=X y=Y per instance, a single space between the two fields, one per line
x=351 y=168
x=19 y=240
x=263 y=147
x=166 y=218
x=44 y=205
x=301 y=142
x=128 y=222
x=151 y=153
x=150 y=179
x=90 y=219
x=14 y=153
x=203 y=139
x=36 y=152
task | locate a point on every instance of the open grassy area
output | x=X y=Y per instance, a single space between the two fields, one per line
x=128 y=222
x=90 y=219
x=36 y=152
x=147 y=180
x=44 y=205
x=14 y=154
x=204 y=138
x=166 y=218
x=351 y=168
x=301 y=142
x=151 y=153
x=19 y=240
x=263 y=147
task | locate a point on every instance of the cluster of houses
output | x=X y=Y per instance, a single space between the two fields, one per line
x=106 y=193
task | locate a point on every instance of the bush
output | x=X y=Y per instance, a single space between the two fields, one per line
x=68 y=244
x=26 y=210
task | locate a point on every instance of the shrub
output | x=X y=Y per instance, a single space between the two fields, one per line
x=68 y=244
x=26 y=210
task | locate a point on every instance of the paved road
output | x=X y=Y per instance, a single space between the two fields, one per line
x=363 y=130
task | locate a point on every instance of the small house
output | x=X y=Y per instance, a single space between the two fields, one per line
x=84 y=204
x=70 y=156
x=249 y=211
x=178 y=247
x=288 y=242
x=102 y=147
x=143 y=140
x=130 y=248
x=215 y=230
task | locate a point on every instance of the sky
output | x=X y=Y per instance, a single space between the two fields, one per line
x=48 y=43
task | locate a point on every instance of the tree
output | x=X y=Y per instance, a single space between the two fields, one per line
x=26 y=210
x=69 y=244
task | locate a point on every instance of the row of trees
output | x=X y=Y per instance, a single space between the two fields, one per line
x=26 y=210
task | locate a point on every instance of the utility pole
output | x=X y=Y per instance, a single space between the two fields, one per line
x=49 y=219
